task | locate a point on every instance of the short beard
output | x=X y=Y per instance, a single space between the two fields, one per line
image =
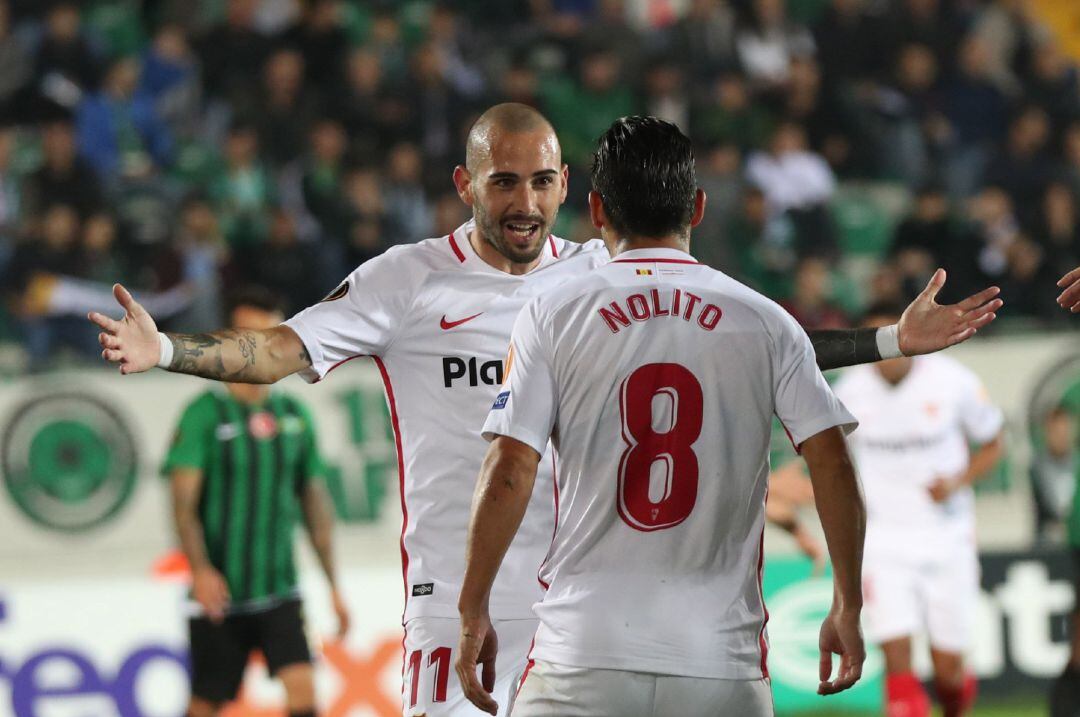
x=491 y=232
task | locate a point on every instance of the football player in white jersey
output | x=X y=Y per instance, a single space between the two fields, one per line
x=656 y=379
x=436 y=317
x=917 y=419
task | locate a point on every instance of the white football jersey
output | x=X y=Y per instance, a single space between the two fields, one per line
x=657 y=379
x=909 y=435
x=437 y=320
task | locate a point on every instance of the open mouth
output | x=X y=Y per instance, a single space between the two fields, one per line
x=521 y=232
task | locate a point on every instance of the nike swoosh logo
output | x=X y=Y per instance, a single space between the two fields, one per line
x=447 y=325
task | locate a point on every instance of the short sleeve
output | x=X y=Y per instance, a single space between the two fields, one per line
x=525 y=408
x=805 y=404
x=194 y=434
x=980 y=418
x=361 y=316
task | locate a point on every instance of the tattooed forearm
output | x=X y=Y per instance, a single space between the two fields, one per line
x=844 y=347
x=239 y=355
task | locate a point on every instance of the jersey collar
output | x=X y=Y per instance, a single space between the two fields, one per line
x=463 y=251
x=664 y=256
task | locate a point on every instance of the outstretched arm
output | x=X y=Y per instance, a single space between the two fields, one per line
x=234 y=355
x=925 y=327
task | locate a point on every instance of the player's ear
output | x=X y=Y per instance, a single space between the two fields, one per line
x=463 y=183
x=699 y=208
x=565 y=183
x=596 y=211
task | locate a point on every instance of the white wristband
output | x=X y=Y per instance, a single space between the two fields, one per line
x=167 y=350
x=888 y=342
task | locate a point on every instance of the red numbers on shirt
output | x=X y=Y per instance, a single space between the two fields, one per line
x=440 y=658
x=673 y=500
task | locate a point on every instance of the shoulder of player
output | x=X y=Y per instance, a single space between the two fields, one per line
x=592 y=250
x=203 y=407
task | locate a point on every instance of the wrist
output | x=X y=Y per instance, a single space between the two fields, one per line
x=888 y=341
x=165 y=351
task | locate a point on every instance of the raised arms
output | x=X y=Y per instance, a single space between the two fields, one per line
x=233 y=355
x=925 y=327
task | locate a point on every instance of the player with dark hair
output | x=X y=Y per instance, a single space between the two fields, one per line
x=917 y=419
x=656 y=379
x=243 y=464
x=436 y=316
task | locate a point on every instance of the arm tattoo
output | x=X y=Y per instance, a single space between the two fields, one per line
x=844 y=347
x=228 y=355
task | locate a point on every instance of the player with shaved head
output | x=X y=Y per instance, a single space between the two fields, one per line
x=436 y=318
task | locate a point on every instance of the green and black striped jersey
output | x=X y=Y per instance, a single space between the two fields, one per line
x=256 y=461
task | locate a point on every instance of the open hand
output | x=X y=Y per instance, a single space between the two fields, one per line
x=927 y=326
x=132 y=341
x=840 y=635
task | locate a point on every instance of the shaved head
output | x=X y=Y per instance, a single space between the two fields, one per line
x=507 y=118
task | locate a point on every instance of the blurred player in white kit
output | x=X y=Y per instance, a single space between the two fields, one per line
x=656 y=379
x=917 y=418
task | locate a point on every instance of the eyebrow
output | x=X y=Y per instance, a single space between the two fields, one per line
x=512 y=175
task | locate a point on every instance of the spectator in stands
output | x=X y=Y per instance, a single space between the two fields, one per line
x=519 y=83
x=284 y=266
x=1058 y=229
x=665 y=94
x=10 y=199
x=31 y=275
x=1005 y=27
x=197 y=256
x=1053 y=83
x=321 y=182
x=321 y=40
x=449 y=36
x=994 y=229
x=63 y=177
x=728 y=114
x=16 y=63
x=232 y=53
x=933 y=23
x=406 y=205
x=610 y=26
x=924 y=240
x=976 y=113
x=910 y=127
x=798 y=182
x=847 y=40
x=120 y=131
x=99 y=258
x=766 y=43
x=368 y=222
x=1071 y=146
x=763 y=244
x=170 y=78
x=65 y=67
x=719 y=176
x=582 y=109
x=1053 y=474
x=449 y=213
x=828 y=131
x=1029 y=283
x=810 y=302
x=360 y=104
x=704 y=39
x=437 y=109
x=1022 y=167
x=244 y=190
x=286 y=109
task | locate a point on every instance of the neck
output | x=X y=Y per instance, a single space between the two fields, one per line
x=678 y=242
x=248 y=393
x=493 y=257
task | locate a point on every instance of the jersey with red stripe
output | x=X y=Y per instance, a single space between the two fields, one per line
x=657 y=379
x=437 y=318
x=910 y=435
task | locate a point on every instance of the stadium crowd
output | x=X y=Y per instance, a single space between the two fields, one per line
x=847 y=146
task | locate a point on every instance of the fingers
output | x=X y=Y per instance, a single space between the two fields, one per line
x=976 y=300
x=474 y=691
x=982 y=319
x=487 y=674
x=104 y=322
x=825 y=666
x=124 y=297
x=933 y=286
x=981 y=310
x=1070 y=296
x=112 y=355
x=108 y=341
x=1070 y=278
